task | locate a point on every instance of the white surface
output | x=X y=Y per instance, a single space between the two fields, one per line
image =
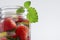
x=48 y=27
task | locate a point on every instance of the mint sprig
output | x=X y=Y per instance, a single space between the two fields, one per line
x=32 y=15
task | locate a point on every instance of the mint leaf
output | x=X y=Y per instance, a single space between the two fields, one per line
x=20 y=10
x=27 y=4
x=32 y=15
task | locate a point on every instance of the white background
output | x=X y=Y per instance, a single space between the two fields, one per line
x=48 y=27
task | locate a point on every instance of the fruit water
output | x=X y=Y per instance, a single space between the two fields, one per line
x=13 y=26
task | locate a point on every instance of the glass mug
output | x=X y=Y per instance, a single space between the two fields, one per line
x=13 y=26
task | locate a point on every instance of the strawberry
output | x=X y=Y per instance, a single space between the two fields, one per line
x=9 y=24
x=22 y=32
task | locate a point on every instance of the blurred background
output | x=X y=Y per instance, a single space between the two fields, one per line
x=48 y=27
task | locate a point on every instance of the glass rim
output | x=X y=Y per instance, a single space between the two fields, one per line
x=10 y=7
x=3 y=9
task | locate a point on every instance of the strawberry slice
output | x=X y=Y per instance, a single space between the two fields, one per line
x=22 y=32
x=9 y=24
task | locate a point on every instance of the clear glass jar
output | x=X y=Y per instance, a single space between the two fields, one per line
x=10 y=23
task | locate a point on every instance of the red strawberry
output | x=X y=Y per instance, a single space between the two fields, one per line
x=22 y=32
x=9 y=24
x=20 y=19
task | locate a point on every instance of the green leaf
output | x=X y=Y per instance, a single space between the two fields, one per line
x=32 y=15
x=27 y=4
x=20 y=10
